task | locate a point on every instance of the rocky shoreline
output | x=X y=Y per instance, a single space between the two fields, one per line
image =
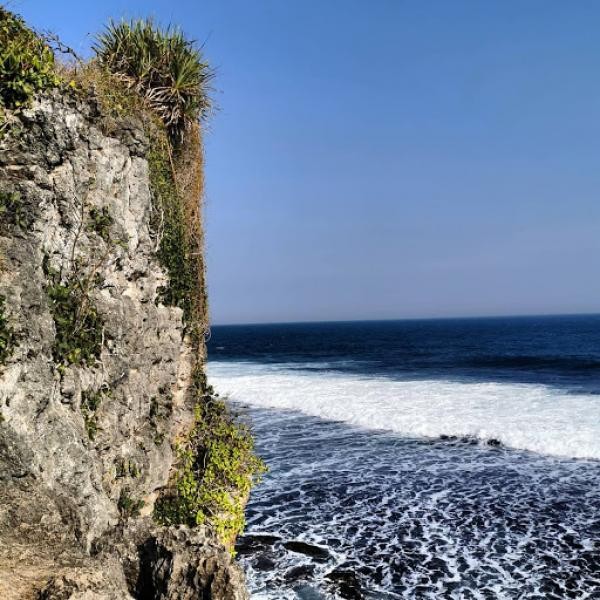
x=265 y=551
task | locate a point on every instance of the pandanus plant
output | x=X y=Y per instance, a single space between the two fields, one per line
x=164 y=67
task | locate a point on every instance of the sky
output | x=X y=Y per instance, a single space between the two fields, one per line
x=380 y=159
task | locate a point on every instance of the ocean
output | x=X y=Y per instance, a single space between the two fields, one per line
x=454 y=458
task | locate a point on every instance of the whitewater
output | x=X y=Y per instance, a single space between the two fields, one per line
x=410 y=460
x=531 y=417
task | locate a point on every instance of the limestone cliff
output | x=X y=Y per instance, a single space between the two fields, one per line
x=95 y=369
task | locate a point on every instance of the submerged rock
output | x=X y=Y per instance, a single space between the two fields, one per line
x=312 y=550
x=299 y=572
x=263 y=562
x=254 y=542
x=346 y=583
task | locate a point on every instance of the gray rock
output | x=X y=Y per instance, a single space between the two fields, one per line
x=347 y=583
x=59 y=484
x=184 y=564
x=312 y=550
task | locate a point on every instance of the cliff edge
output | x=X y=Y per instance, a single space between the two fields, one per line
x=104 y=409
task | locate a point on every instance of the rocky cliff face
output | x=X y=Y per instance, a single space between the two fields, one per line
x=94 y=370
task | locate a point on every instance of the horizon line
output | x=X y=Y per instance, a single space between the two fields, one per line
x=394 y=319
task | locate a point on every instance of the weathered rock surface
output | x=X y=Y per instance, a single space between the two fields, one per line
x=179 y=564
x=174 y=563
x=71 y=475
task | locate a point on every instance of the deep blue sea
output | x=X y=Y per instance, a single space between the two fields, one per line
x=420 y=459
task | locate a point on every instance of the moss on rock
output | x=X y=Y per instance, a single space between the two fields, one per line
x=169 y=223
x=12 y=213
x=90 y=403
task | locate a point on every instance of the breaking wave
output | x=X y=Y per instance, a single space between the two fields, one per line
x=532 y=417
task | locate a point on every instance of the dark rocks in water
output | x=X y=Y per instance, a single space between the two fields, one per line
x=454 y=439
x=263 y=563
x=346 y=583
x=299 y=572
x=316 y=552
x=469 y=440
x=255 y=542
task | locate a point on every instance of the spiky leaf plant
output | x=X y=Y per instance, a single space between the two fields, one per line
x=168 y=70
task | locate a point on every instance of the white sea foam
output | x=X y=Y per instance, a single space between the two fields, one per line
x=524 y=416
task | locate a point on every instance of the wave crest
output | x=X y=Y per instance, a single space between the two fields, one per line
x=531 y=417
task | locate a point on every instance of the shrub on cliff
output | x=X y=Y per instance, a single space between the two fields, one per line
x=162 y=66
x=26 y=62
x=216 y=468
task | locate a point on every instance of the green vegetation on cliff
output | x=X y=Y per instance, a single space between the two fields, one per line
x=78 y=326
x=216 y=468
x=11 y=210
x=26 y=62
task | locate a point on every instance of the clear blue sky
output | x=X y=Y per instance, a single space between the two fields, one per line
x=389 y=159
